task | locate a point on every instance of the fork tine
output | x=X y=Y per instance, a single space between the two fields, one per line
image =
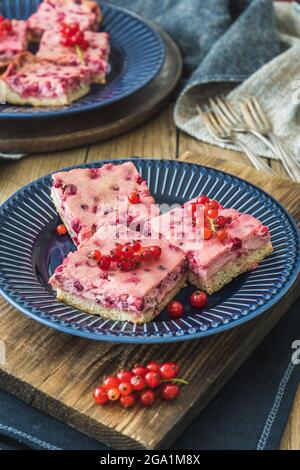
x=260 y=112
x=219 y=109
x=249 y=113
x=228 y=110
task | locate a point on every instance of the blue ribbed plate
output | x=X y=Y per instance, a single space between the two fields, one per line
x=30 y=251
x=137 y=54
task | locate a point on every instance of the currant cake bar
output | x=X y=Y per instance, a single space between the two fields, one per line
x=93 y=52
x=29 y=80
x=52 y=13
x=121 y=279
x=13 y=40
x=219 y=243
x=89 y=198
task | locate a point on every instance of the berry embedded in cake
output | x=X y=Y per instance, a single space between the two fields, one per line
x=90 y=198
x=123 y=279
x=13 y=40
x=29 y=80
x=71 y=46
x=52 y=13
x=219 y=243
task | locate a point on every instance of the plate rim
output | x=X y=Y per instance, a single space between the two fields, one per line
x=139 y=339
x=69 y=111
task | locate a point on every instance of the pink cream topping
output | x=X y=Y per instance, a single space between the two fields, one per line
x=46 y=79
x=98 y=197
x=135 y=291
x=95 y=56
x=207 y=257
x=14 y=41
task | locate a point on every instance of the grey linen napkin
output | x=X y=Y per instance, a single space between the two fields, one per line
x=241 y=47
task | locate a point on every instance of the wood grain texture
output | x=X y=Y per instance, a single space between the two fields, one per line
x=57 y=373
x=291 y=436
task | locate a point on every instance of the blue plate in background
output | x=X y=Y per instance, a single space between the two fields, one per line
x=30 y=251
x=137 y=55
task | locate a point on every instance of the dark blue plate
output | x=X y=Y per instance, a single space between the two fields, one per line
x=137 y=54
x=30 y=251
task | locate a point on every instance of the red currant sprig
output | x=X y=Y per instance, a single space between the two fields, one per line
x=72 y=36
x=127 y=257
x=142 y=383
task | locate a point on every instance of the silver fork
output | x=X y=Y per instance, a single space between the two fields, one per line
x=259 y=124
x=223 y=133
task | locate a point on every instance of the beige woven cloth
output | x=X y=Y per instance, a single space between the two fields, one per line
x=276 y=85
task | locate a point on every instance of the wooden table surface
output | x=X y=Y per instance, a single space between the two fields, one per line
x=158 y=138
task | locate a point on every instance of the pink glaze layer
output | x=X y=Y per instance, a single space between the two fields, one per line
x=30 y=77
x=51 y=13
x=207 y=257
x=97 y=197
x=134 y=291
x=95 y=57
x=13 y=42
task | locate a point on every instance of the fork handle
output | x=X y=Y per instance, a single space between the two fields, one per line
x=290 y=165
x=256 y=161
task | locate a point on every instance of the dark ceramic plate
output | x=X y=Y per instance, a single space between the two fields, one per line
x=137 y=54
x=30 y=251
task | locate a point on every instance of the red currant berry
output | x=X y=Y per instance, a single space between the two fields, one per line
x=125 y=388
x=127 y=251
x=116 y=253
x=170 y=391
x=61 y=229
x=202 y=199
x=214 y=205
x=136 y=261
x=137 y=382
x=207 y=233
x=136 y=246
x=100 y=396
x=212 y=213
x=147 y=255
x=152 y=379
x=95 y=254
x=175 y=309
x=73 y=29
x=127 y=401
x=228 y=220
x=134 y=197
x=220 y=221
x=237 y=243
x=67 y=41
x=124 y=375
x=222 y=234
x=153 y=366
x=198 y=299
x=104 y=262
x=139 y=370
x=147 y=397
x=111 y=382
x=113 y=394
x=125 y=265
x=169 y=370
x=156 y=251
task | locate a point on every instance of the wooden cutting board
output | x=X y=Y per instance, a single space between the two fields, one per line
x=57 y=373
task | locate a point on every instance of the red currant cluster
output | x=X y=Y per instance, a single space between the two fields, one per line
x=127 y=257
x=176 y=309
x=142 y=383
x=213 y=222
x=73 y=36
x=5 y=26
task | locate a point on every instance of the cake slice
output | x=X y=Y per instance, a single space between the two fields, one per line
x=134 y=287
x=89 y=198
x=94 y=56
x=52 y=13
x=13 y=40
x=29 y=80
x=219 y=247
